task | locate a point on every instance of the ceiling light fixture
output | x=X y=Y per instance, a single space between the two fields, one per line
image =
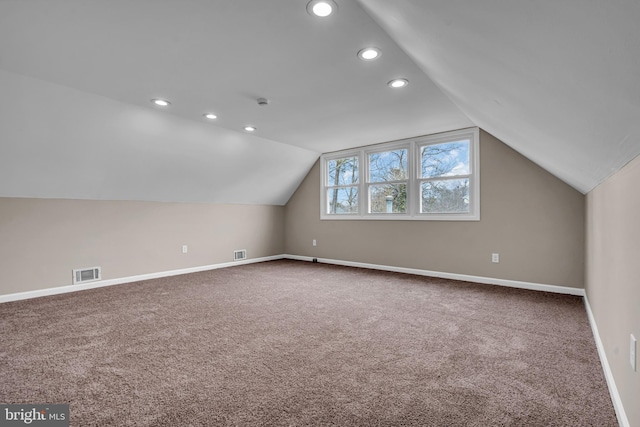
x=321 y=8
x=369 y=53
x=210 y=116
x=161 y=102
x=250 y=128
x=398 y=83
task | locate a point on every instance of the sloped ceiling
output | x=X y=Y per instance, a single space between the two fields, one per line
x=59 y=142
x=559 y=81
x=554 y=81
x=76 y=119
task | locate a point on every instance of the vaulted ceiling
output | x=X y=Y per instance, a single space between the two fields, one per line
x=557 y=81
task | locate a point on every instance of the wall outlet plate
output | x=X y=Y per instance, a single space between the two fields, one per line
x=185 y=249
x=495 y=258
x=633 y=347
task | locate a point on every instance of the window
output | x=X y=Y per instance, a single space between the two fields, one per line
x=342 y=185
x=444 y=177
x=387 y=183
x=434 y=177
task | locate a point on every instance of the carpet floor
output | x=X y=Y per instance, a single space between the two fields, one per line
x=291 y=343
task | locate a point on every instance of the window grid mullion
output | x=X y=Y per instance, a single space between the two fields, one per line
x=445 y=178
x=400 y=181
x=329 y=187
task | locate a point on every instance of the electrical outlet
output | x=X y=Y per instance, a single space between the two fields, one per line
x=185 y=249
x=495 y=258
x=633 y=345
x=313 y=242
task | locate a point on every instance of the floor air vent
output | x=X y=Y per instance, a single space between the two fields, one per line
x=86 y=275
x=239 y=254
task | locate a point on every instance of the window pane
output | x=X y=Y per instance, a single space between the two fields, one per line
x=388 y=166
x=448 y=159
x=388 y=198
x=446 y=196
x=342 y=200
x=342 y=171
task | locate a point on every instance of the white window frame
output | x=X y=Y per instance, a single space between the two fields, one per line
x=379 y=148
x=413 y=146
x=325 y=186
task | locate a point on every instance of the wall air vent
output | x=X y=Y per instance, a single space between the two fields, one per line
x=86 y=275
x=239 y=254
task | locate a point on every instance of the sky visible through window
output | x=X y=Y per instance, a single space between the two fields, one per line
x=448 y=159
x=432 y=176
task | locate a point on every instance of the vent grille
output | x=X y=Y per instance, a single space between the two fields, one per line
x=86 y=275
x=239 y=254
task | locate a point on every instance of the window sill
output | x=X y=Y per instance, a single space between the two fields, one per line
x=402 y=217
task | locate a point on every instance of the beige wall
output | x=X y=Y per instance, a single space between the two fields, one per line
x=534 y=220
x=613 y=275
x=42 y=240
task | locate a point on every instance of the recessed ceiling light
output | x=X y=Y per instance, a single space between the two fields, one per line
x=210 y=116
x=321 y=8
x=250 y=128
x=398 y=83
x=369 y=53
x=161 y=102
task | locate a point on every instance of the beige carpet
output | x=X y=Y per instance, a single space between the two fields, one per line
x=292 y=343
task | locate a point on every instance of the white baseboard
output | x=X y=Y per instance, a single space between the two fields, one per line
x=611 y=383
x=477 y=279
x=119 y=281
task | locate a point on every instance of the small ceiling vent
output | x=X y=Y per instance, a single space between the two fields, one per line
x=240 y=254
x=86 y=275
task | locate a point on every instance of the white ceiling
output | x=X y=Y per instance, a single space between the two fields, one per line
x=221 y=56
x=555 y=80
x=559 y=81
